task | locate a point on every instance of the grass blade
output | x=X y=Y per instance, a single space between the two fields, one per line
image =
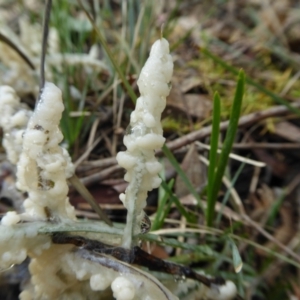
x=229 y=139
x=181 y=173
x=227 y=194
x=163 y=209
x=236 y=258
x=213 y=154
x=102 y=40
x=189 y=217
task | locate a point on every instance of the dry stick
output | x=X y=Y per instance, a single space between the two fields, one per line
x=200 y=134
x=44 y=42
x=93 y=132
x=101 y=175
x=99 y=163
x=289 y=84
x=254 y=180
x=83 y=191
x=278 y=264
x=244 y=121
x=271 y=238
x=87 y=152
x=7 y=41
x=90 y=145
x=236 y=200
x=229 y=213
x=117 y=68
x=276 y=146
x=235 y=156
x=115 y=118
x=134 y=256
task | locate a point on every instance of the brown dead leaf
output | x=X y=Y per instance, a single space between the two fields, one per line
x=195 y=105
x=296 y=289
x=195 y=171
x=288 y=131
x=284 y=233
x=156 y=250
x=189 y=83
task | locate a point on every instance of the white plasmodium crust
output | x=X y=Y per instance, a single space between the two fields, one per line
x=144 y=136
x=56 y=271
x=16 y=242
x=14 y=119
x=225 y=292
x=44 y=165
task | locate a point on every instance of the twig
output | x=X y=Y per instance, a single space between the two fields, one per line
x=100 y=176
x=235 y=156
x=110 y=55
x=99 y=163
x=271 y=238
x=246 y=220
x=83 y=191
x=87 y=152
x=135 y=256
x=7 y=41
x=289 y=84
x=276 y=146
x=237 y=202
x=202 y=133
x=244 y=121
x=254 y=180
x=44 y=42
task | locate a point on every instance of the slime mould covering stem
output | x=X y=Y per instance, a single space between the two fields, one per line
x=44 y=165
x=70 y=267
x=144 y=136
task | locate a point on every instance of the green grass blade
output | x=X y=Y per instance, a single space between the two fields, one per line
x=236 y=258
x=227 y=194
x=275 y=208
x=213 y=154
x=181 y=173
x=102 y=40
x=189 y=217
x=204 y=249
x=250 y=81
x=229 y=139
x=163 y=209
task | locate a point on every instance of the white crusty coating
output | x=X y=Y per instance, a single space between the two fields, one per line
x=226 y=291
x=144 y=136
x=44 y=165
x=123 y=289
x=14 y=119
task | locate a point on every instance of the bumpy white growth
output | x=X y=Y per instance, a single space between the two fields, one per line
x=11 y=218
x=123 y=289
x=99 y=282
x=44 y=165
x=144 y=136
x=43 y=168
x=226 y=291
x=193 y=290
x=14 y=119
x=56 y=271
x=17 y=241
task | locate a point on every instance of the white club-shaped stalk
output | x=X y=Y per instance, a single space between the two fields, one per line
x=44 y=165
x=144 y=136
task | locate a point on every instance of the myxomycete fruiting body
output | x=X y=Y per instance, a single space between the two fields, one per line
x=44 y=165
x=144 y=136
x=63 y=271
x=14 y=119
